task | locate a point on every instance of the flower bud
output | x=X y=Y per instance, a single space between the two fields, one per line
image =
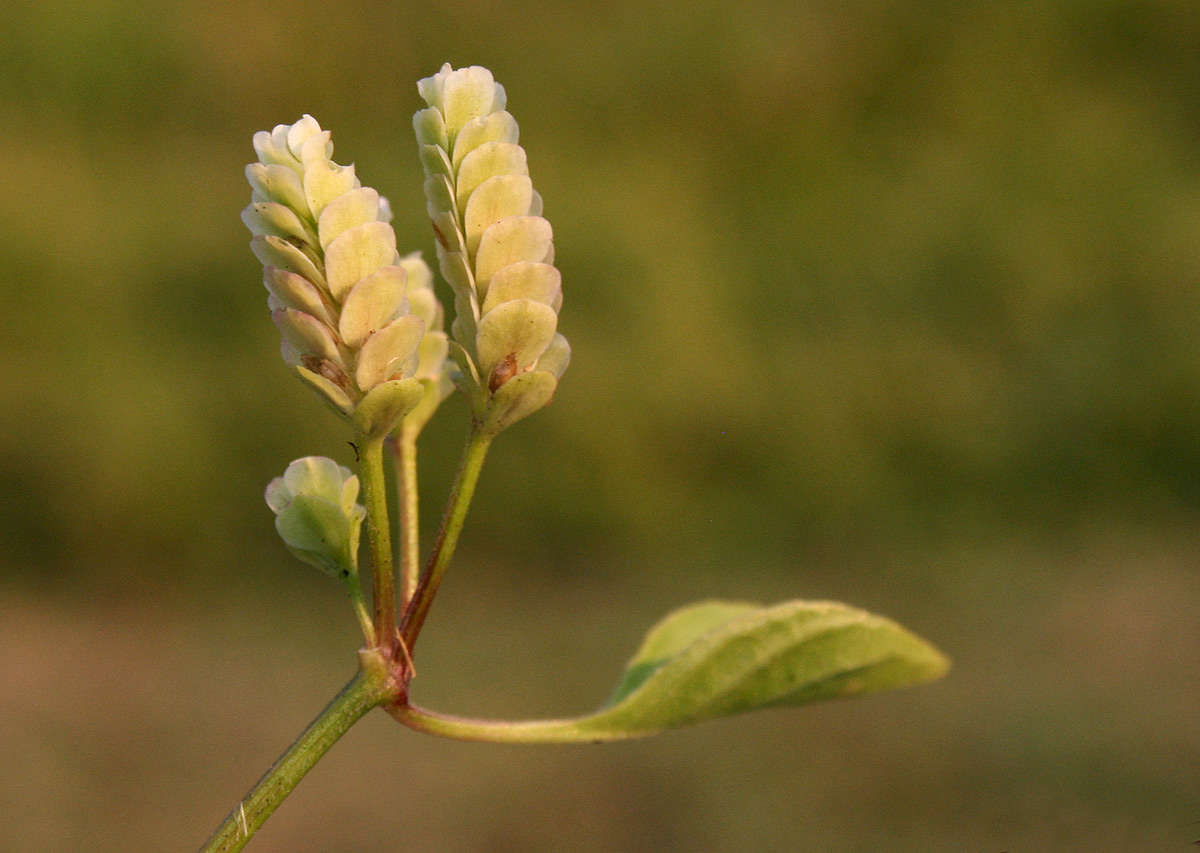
x=316 y=514
x=494 y=247
x=337 y=287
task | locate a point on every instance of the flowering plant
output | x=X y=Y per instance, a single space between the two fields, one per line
x=361 y=325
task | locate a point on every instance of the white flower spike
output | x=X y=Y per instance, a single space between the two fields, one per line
x=338 y=290
x=494 y=247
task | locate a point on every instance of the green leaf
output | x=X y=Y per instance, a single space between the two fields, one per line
x=718 y=658
x=696 y=664
x=672 y=635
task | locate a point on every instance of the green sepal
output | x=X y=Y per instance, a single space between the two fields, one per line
x=518 y=398
x=274 y=251
x=277 y=183
x=430 y=129
x=385 y=405
x=315 y=531
x=316 y=513
x=330 y=392
x=279 y=220
x=439 y=197
x=434 y=160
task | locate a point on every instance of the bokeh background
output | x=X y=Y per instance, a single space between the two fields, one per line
x=893 y=303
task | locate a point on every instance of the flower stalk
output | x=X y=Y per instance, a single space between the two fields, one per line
x=403 y=446
x=370 y=687
x=457 y=504
x=379 y=538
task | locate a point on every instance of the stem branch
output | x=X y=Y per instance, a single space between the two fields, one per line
x=503 y=731
x=360 y=609
x=457 y=504
x=369 y=688
x=406 y=491
x=379 y=539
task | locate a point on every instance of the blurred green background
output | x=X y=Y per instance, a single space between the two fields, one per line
x=886 y=302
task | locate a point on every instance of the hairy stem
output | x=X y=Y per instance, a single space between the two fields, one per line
x=370 y=687
x=452 y=521
x=379 y=539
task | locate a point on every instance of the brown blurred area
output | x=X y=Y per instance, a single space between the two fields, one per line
x=890 y=303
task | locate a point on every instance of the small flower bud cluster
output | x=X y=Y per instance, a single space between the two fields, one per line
x=337 y=286
x=316 y=514
x=494 y=247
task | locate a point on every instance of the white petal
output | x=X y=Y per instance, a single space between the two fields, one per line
x=307 y=334
x=556 y=357
x=295 y=291
x=520 y=330
x=466 y=94
x=518 y=238
x=425 y=305
x=300 y=132
x=486 y=161
x=371 y=304
x=391 y=350
x=277 y=252
x=347 y=211
x=525 y=280
x=315 y=475
x=420 y=276
x=357 y=253
x=495 y=199
x=278 y=495
x=324 y=181
x=270 y=151
x=430 y=128
x=494 y=127
x=271 y=217
x=277 y=183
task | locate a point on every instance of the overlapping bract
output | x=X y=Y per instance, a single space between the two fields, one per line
x=494 y=247
x=431 y=354
x=338 y=288
x=316 y=513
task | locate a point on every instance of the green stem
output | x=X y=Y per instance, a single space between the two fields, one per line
x=457 y=504
x=372 y=686
x=379 y=539
x=406 y=491
x=503 y=731
x=360 y=608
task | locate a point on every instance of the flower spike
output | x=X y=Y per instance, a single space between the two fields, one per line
x=494 y=247
x=337 y=287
